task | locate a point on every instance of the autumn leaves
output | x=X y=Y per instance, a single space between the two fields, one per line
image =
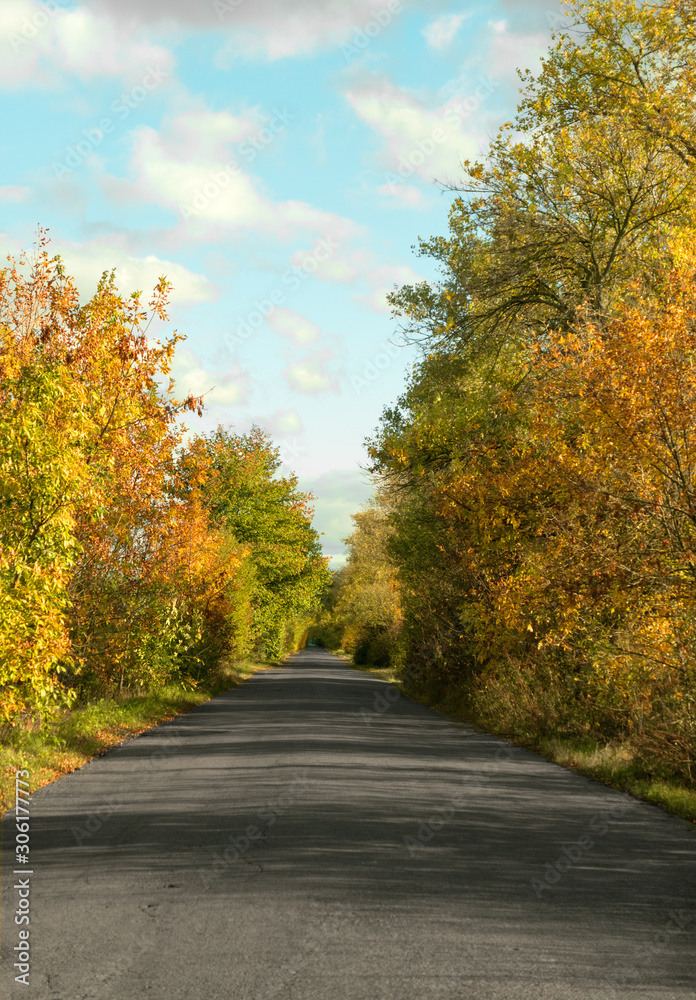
x=532 y=542
x=129 y=558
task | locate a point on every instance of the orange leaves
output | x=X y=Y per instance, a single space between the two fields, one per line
x=111 y=572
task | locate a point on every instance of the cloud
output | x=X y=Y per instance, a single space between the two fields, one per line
x=333 y=264
x=43 y=44
x=220 y=388
x=192 y=168
x=312 y=375
x=535 y=15
x=513 y=50
x=14 y=193
x=418 y=141
x=382 y=281
x=284 y=422
x=438 y=34
x=90 y=47
x=86 y=262
x=294 y=325
x=404 y=195
x=338 y=494
x=261 y=29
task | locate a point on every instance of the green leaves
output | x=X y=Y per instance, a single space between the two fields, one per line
x=537 y=475
x=270 y=516
x=126 y=560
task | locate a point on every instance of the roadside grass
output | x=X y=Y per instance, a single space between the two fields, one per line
x=622 y=766
x=387 y=674
x=84 y=732
x=619 y=764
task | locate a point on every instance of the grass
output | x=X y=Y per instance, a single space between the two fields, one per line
x=384 y=673
x=84 y=732
x=620 y=766
x=617 y=764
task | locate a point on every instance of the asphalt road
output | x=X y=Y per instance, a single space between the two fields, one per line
x=313 y=835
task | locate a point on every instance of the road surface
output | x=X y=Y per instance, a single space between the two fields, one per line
x=315 y=835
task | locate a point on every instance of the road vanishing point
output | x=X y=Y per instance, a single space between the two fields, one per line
x=314 y=834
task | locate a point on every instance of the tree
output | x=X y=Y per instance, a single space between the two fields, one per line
x=538 y=466
x=626 y=62
x=270 y=515
x=128 y=560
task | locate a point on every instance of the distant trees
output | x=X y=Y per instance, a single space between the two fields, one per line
x=363 y=607
x=128 y=558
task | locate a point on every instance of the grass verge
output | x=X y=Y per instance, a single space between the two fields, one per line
x=84 y=732
x=619 y=764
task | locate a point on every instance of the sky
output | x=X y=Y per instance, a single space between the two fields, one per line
x=277 y=161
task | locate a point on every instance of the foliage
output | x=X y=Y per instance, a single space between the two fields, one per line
x=535 y=479
x=272 y=518
x=128 y=559
x=362 y=608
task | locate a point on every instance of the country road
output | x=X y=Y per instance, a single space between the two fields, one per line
x=314 y=835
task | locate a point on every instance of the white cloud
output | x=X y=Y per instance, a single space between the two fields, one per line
x=220 y=388
x=438 y=34
x=536 y=15
x=284 y=423
x=292 y=324
x=14 y=193
x=313 y=374
x=382 y=281
x=512 y=50
x=42 y=44
x=188 y=167
x=404 y=195
x=272 y=29
x=334 y=264
x=419 y=141
x=91 y=47
x=338 y=494
x=87 y=262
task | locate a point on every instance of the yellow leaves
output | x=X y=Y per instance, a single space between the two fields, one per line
x=117 y=572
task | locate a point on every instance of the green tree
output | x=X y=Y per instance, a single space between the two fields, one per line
x=273 y=517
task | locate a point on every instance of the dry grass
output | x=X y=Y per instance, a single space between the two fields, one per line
x=83 y=733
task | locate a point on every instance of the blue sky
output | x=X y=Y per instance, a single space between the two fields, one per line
x=277 y=161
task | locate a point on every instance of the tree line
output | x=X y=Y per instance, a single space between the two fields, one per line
x=531 y=543
x=132 y=554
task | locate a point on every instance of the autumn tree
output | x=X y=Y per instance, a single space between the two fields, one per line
x=128 y=559
x=537 y=467
x=366 y=604
x=267 y=513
